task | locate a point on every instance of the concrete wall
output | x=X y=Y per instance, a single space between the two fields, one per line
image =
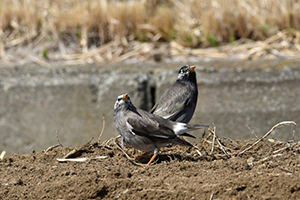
x=36 y=101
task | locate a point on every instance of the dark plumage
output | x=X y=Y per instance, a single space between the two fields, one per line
x=145 y=131
x=179 y=102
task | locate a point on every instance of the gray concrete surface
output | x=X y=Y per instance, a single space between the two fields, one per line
x=35 y=102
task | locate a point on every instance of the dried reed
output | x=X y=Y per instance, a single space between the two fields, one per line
x=78 y=27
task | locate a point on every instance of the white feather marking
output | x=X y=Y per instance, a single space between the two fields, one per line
x=179 y=128
x=168 y=116
x=130 y=128
x=162 y=110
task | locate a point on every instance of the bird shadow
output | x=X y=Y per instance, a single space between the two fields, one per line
x=170 y=157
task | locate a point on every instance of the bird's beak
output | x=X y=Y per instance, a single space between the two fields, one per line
x=192 y=67
x=125 y=96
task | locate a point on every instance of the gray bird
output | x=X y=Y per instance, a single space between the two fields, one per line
x=179 y=102
x=145 y=131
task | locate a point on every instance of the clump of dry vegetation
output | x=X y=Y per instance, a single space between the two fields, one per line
x=105 y=30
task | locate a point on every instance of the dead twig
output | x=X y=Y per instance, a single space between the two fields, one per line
x=214 y=138
x=268 y=158
x=294 y=135
x=56 y=136
x=80 y=159
x=266 y=135
x=269 y=147
x=221 y=146
x=2 y=155
x=160 y=190
x=252 y=131
x=286 y=147
x=198 y=151
x=132 y=160
x=285 y=170
x=39 y=61
x=119 y=146
x=74 y=152
x=88 y=142
x=52 y=147
x=207 y=138
x=71 y=153
x=102 y=130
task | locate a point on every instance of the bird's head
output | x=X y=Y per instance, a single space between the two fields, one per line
x=123 y=100
x=187 y=72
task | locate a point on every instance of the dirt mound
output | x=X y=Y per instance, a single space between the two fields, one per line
x=269 y=170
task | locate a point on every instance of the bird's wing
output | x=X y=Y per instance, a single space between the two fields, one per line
x=149 y=125
x=171 y=102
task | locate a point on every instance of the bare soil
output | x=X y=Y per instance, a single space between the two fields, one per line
x=270 y=170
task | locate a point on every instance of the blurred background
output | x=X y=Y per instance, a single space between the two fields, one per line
x=63 y=63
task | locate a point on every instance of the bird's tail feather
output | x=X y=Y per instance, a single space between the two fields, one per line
x=196 y=126
x=192 y=127
x=181 y=128
x=187 y=135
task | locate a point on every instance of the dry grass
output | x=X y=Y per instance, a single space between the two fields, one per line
x=76 y=26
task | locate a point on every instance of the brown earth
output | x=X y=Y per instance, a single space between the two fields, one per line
x=270 y=170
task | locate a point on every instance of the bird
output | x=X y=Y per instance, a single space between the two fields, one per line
x=145 y=131
x=179 y=102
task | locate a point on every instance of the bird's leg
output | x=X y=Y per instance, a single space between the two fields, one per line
x=155 y=153
x=151 y=160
